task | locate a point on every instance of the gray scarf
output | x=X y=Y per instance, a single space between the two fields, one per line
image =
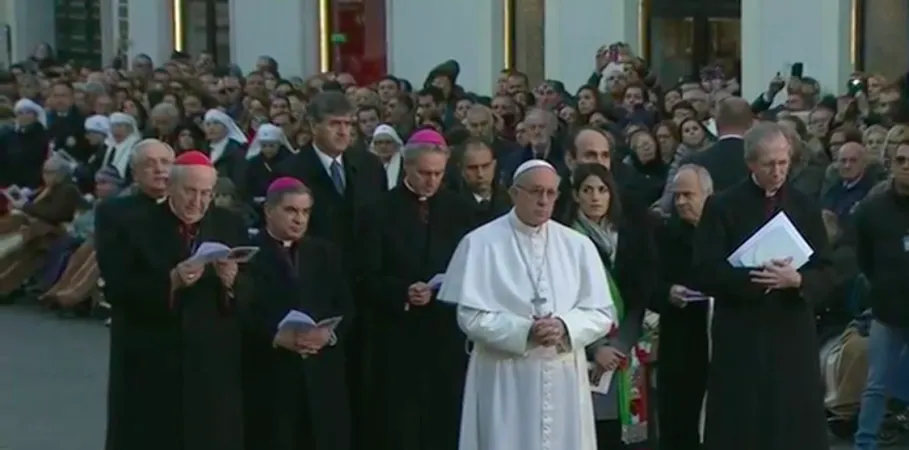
x=601 y=234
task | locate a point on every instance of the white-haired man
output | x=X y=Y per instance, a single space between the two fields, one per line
x=174 y=366
x=764 y=385
x=531 y=294
x=407 y=238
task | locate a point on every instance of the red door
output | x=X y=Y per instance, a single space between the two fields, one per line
x=358 y=39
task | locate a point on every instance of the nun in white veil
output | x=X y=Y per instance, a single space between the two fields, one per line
x=125 y=135
x=269 y=148
x=226 y=145
x=387 y=145
x=98 y=136
x=23 y=151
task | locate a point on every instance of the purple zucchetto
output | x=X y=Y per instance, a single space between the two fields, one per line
x=284 y=183
x=430 y=137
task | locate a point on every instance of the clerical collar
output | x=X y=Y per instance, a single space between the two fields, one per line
x=767 y=193
x=522 y=227
x=413 y=191
x=284 y=244
x=479 y=198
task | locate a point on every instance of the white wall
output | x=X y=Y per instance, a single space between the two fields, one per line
x=421 y=34
x=575 y=29
x=31 y=22
x=287 y=30
x=772 y=42
x=151 y=29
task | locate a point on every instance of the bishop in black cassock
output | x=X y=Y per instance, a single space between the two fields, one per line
x=295 y=390
x=407 y=237
x=764 y=383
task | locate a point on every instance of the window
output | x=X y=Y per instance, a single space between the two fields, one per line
x=207 y=28
x=78 y=24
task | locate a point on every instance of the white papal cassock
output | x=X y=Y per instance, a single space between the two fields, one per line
x=517 y=396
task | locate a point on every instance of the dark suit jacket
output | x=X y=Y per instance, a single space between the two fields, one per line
x=724 y=160
x=334 y=216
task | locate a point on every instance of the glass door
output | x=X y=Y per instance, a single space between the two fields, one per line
x=78 y=24
x=357 y=38
x=686 y=35
x=207 y=28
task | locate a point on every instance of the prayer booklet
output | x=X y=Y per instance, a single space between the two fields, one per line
x=208 y=252
x=777 y=239
x=435 y=283
x=17 y=196
x=693 y=296
x=300 y=321
x=601 y=386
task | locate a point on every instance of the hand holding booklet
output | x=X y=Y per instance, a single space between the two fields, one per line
x=300 y=321
x=778 y=239
x=209 y=252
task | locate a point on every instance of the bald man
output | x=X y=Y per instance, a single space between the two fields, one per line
x=725 y=160
x=531 y=294
x=174 y=366
x=481 y=122
x=854 y=182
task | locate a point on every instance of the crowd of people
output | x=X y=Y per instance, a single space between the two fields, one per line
x=581 y=237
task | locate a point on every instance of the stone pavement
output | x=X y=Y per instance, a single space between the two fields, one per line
x=52 y=382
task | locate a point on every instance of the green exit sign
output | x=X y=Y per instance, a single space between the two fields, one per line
x=338 y=38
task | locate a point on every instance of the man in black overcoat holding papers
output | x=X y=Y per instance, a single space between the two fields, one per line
x=764 y=389
x=294 y=378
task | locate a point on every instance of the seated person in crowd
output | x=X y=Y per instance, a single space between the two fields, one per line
x=37 y=224
x=226 y=197
x=79 y=268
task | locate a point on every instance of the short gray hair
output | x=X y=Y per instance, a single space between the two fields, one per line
x=411 y=152
x=59 y=166
x=328 y=104
x=164 y=109
x=758 y=136
x=704 y=178
x=141 y=147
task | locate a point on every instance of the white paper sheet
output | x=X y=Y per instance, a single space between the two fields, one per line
x=435 y=283
x=777 y=239
x=602 y=387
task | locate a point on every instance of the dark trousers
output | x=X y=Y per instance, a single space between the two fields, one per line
x=682 y=382
x=609 y=435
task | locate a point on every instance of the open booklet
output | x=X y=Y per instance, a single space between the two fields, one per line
x=17 y=196
x=300 y=321
x=777 y=239
x=208 y=252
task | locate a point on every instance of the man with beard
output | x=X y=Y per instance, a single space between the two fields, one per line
x=174 y=366
x=408 y=237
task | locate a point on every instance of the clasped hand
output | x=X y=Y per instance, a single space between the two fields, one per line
x=777 y=274
x=547 y=331
x=419 y=294
x=186 y=274
x=308 y=342
x=227 y=271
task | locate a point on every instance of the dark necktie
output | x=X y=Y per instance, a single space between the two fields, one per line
x=770 y=204
x=423 y=211
x=337 y=176
x=483 y=204
x=290 y=256
x=188 y=233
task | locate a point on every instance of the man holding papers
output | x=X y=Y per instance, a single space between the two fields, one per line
x=764 y=385
x=174 y=365
x=297 y=308
x=418 y=351
x=531 y=294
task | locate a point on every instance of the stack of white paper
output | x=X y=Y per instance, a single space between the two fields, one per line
x=602 y=386
x=777 y=239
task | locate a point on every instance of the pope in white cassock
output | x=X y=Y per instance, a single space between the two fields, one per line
x=531 y=294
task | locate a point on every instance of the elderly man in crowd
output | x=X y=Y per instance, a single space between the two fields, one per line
x=175 y=378
x=763 y=327
x=530 y=295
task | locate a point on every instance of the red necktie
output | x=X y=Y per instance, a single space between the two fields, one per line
x=188 y=232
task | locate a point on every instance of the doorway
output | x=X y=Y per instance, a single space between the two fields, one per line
x=207 y=28
x=357 y=38
x=686 y=35
x=78 y=24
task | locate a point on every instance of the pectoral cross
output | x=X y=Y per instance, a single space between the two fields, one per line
x=537 y=302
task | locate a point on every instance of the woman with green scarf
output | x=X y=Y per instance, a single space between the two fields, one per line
x=623 y=237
